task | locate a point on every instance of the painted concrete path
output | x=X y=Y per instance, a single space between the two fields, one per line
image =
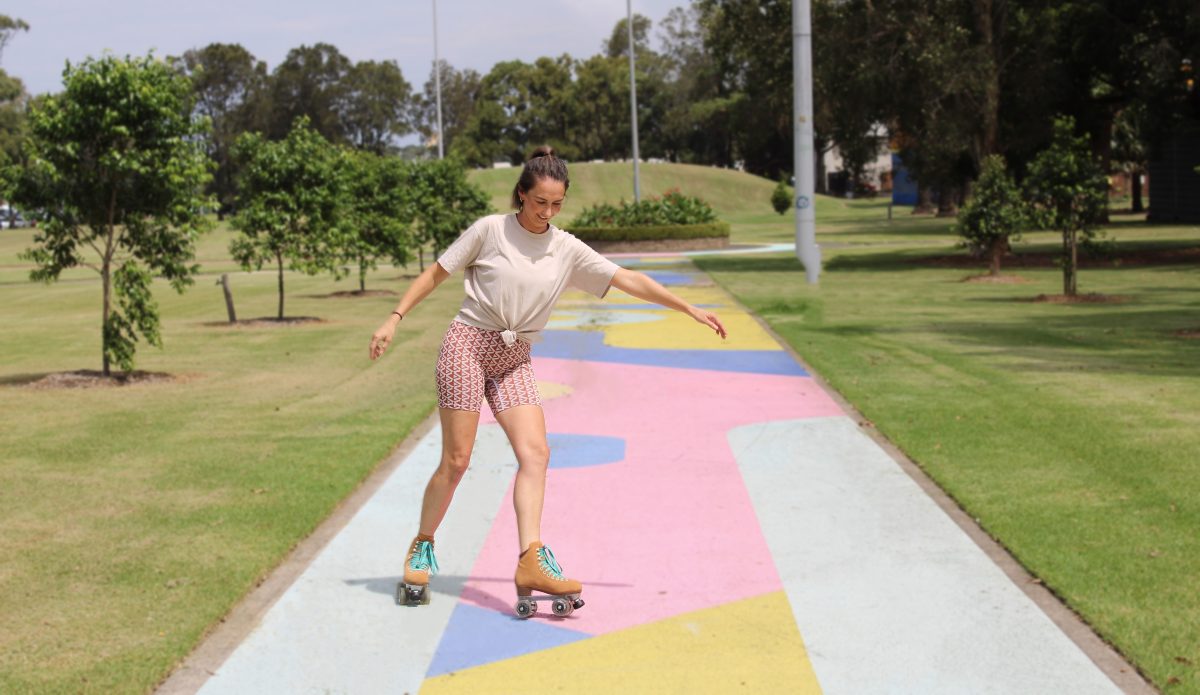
x=733 y=528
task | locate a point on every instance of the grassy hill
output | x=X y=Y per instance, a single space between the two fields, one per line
x=733 y=194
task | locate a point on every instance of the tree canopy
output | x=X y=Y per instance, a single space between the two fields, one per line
x=116 y=170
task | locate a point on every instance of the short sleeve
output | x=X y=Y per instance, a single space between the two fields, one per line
x=464 y=250
x=590 y=271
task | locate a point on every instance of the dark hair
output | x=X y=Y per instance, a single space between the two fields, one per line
x=542 y=164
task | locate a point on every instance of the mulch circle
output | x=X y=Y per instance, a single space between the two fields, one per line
x=1090 y=298
x=92 y=378
x=1189 y=334
x=352 y=294
x=1051 y=259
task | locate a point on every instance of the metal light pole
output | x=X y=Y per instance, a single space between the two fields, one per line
x=437 y=82
x=802 y=111
x=633 y=119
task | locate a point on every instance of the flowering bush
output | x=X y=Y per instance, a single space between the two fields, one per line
x=672 y=208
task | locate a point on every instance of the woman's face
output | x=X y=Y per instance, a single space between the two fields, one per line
x=543 y=201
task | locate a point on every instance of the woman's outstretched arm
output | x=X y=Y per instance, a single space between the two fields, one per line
x=420 y=288
x=643 y=286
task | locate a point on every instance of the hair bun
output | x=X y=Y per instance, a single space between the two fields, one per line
x=543 y=151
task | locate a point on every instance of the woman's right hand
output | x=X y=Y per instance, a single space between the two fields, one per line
x=382 y=338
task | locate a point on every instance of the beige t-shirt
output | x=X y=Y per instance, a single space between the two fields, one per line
x=514 y=276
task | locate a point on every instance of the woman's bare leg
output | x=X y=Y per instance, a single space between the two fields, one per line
x=525 y=426
x=458 y=438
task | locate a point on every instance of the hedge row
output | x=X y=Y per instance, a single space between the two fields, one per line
x=652 y=232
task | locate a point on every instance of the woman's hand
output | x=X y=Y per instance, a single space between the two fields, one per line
x=382 y=338
x=708 y=319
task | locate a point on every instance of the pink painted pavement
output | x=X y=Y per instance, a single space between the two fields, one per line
x=671 y=528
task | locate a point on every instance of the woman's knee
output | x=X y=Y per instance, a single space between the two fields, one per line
x=455 y=463
x=533 y=455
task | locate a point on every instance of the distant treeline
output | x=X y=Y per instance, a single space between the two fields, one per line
x=946 y=82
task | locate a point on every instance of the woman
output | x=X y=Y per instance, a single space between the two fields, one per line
x=516 y=265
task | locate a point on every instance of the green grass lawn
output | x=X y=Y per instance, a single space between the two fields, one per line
x=133 y=518
x=1071 y=432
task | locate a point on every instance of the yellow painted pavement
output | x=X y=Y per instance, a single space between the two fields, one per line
x=750 y=646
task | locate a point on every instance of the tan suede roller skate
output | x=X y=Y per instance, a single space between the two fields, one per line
x=414 y=588
x=537 y=570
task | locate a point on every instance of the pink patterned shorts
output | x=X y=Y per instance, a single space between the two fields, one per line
x=475 y=364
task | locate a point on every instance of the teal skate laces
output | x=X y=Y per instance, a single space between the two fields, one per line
x=549 y=564
x=423 y=559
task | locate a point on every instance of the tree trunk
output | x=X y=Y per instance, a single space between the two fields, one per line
x=820 y=165
x=1136 y=191
x=999 y=247
x=924 y=204
x=991 y=84
x=106 y=274
x=946 y=205
x=279 y=258
x=1103 y=151
x=362 y=274
x=106 y=278
x=1070 y=263
x=228 y=298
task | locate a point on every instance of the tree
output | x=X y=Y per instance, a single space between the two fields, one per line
x=444 y=201
x=377 y=105
x=1130 y=154
x=617 y=43
x=751 y=45
x=310 y=82
x=1069 y=192
x=697 y=120
x=228 y=84
x=379 y=211
x=600 y=113
x=116 y=164
x=460 y=92
x=520 y=104
x=9 y=26
x=290 y=201
x=781 y=197
x=12 y=97
x=12 y=117
x=995 y=215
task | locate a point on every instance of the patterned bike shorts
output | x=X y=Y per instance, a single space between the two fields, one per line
x=475 y=364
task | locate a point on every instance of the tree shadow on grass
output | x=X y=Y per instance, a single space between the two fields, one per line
x=1089 y=337
x=1132 y=255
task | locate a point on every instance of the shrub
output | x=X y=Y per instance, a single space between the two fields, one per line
x=995 y=214
x=781 y=197
x=673 y=208
x=652 y=232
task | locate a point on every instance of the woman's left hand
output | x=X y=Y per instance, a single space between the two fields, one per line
x=708 y=319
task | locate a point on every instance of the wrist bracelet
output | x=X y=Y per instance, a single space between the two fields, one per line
x=397 y=313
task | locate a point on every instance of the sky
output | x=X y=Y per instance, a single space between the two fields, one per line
x=471 y=33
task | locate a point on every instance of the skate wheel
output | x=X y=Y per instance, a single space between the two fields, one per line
x=412 y=595
x=526 y=609
x=562 y=608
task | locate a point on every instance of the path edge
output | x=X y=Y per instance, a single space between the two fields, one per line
x=227 y=634
x=1111 y=662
